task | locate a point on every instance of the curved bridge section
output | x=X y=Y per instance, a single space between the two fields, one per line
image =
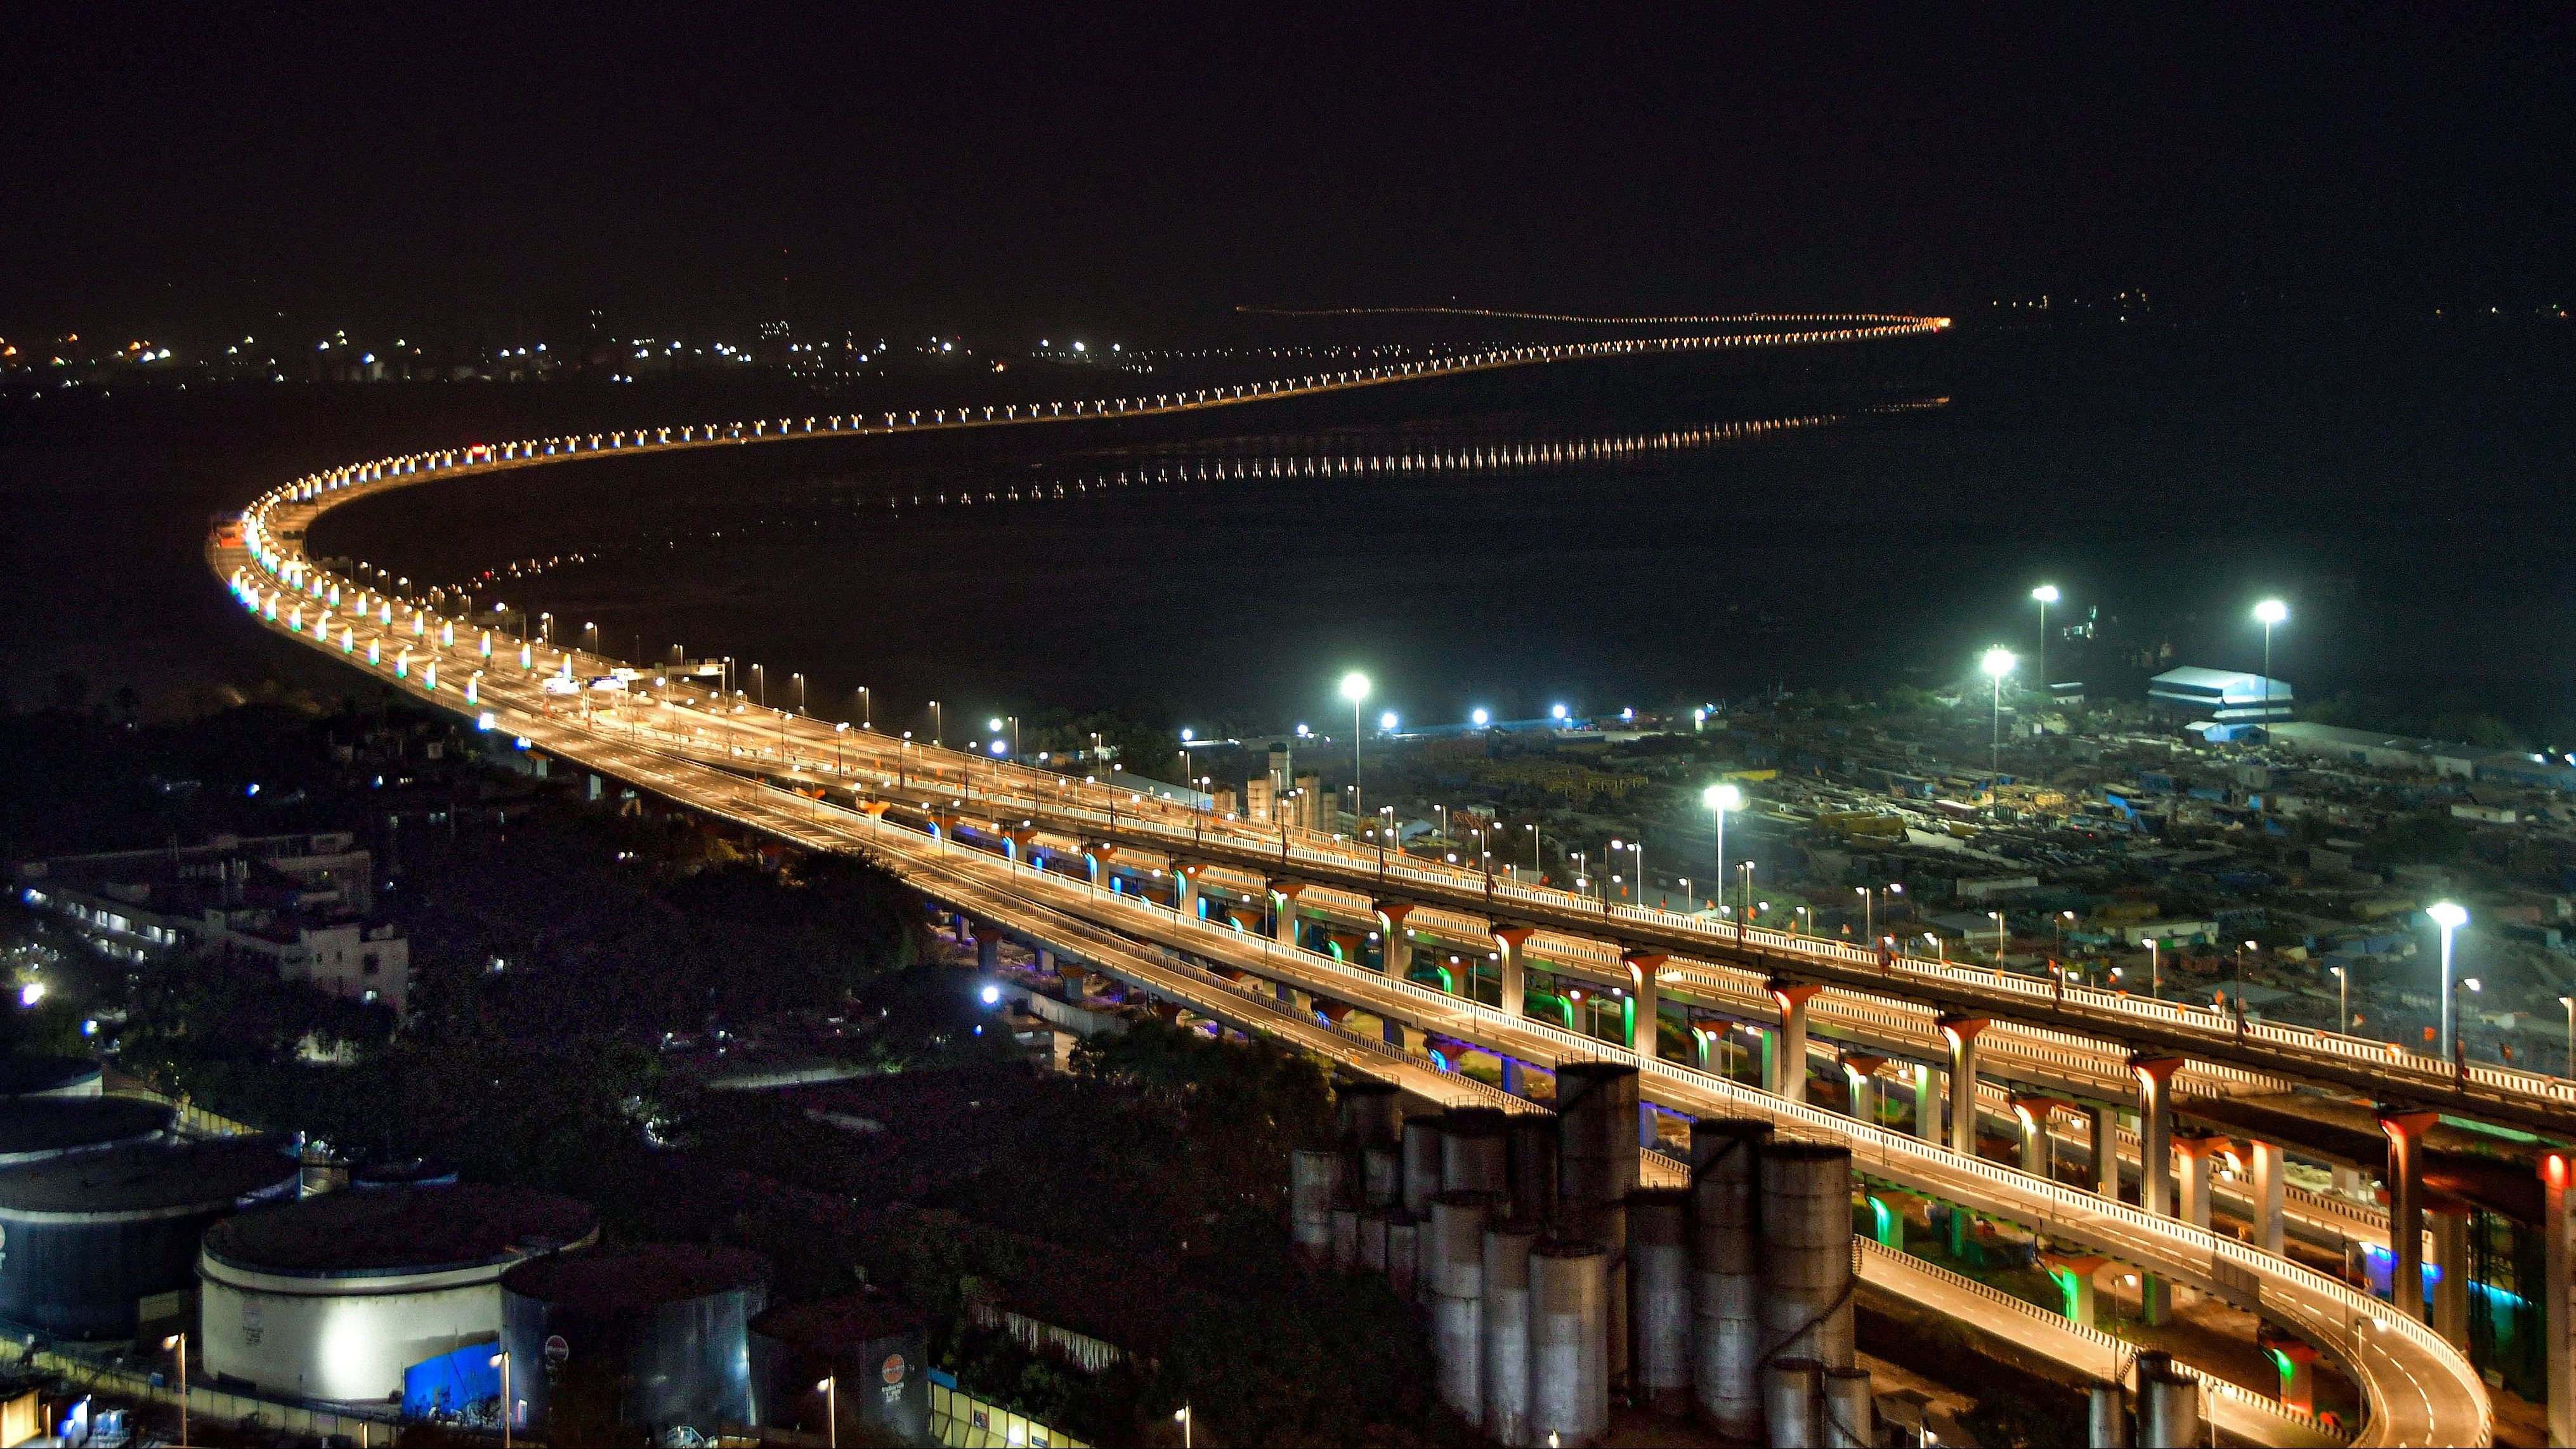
x=848 y=790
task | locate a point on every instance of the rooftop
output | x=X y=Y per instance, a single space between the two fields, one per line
x=634 y=1276
x=838 y=1322
x=149 y=1177
x=44 y=1125
x=396 y=1229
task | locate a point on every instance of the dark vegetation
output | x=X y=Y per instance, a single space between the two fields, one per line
x=573 y=963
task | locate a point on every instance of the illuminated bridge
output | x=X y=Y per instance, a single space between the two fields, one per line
x=1243 y=923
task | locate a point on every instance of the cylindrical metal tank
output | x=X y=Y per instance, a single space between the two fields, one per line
x=1850 y=1409
x=50 y=1077
x=1807 y=1252
x=1404 y=1236
x=2168 y=1409
x=33 y=1129
x=409 y=1172
x=1364 y=1113
x=2106 y=1417
x=875 y=1349
x=86 y=1237
x=1504 y=1378
x=1569 y=1342
x=1314 y=1181
x=1457 y=1261
x=664 y=1326
x=1597 y=1167
x=1532 y=1157
x=1659 y=1298
x=1792 y=1393
x=334 y=1296
x=1373 y=1240
x=1421 y=1163
x=1381 y=1176
x=1346 y=1238
x=1726 y=1350
x=1475 y=1151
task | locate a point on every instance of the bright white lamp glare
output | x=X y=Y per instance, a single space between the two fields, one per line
x=2448 y=915
x=2045 y=593
x=1998 y=662
x=1386 y=721
x=2271 y=611
x=1480 y=718
x=1722 y=797
x=1355 y=686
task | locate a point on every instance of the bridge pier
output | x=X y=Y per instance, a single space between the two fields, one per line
x=1510 y=941
x=1927 y=1103
x=1185 y=891
x=2196 y=1157
x=2406 y=1206
x=2106 y=1151
x=2557 y=1331
x=2155 y=1131
x=1861 y=1070
x=2269 y=1170
x=1961 y=1033
x=1642 y=969
x=1787 y=1074
x=1283 y=920
x=2451 y=1283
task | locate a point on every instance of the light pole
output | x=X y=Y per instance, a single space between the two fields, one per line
x=2450 y=917
x=937 y=727
x=177 y=1343
x=1868 y=912
x=799 y=681
x=2570 y=1003
x=2155 y=971
x=2047 y=595
x=760 y=685
x=1535 y=870
x=1997 y=663
x=2001 y=940
x=501 y=1361
x=831 y=1388
x=1183 y=1418
x=1719 y=799
x=2270 y=612
x=2343 y=1003
x=1355 y=688
x=867 y=709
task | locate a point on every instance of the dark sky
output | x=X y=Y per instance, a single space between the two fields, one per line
x=1008 y=168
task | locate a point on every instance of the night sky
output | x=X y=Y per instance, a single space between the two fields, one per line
x=1004 y=169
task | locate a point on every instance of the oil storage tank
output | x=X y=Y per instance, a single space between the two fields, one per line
x=86 y=1236
x=665 y=1327
x=34 y=1129
x=876 y=1352
x=51 y=1077
x=335 y=1297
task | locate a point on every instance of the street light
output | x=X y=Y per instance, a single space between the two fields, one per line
x=1719 y=799
x=501 y=1361
x=831 y=1391
x=2343 y=1001
x=1184 y=1418
x=1355 y=688
x=1997 y=663
x=178 y=1343
x=2269 y=612
x=2047 y=595
x=2450 y=917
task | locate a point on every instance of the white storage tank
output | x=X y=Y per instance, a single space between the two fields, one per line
x=34 y=1129
x=335 y=1296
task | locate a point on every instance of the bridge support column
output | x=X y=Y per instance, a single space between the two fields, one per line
x=2451 y=1285
x=2074 y=1274
x=1283 y=914
x=1961 y=1033
x=2155 y=1131
x=1927 y=1104
x=1861 y=1070
x=1512 y=1075
x=2298 y=1373
x=1185 y=892
x=1509 y=943
x=1394 y=946
x=2270 y=1173
x=2197 y=1158
x=2106 y=1151
x=1046 y=962
x=2557 y=1323
x=1411 y=1040
x=2406 y=1207
x=1789 y=1061
x=1642 y=969
x=2033 y=1114
x=988 y=948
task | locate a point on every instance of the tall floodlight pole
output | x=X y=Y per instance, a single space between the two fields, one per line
x=2450 y=917
x=1998 y=663
x=2270 y=612
x=1719 y=799
x=1355 y=688
x=2046 y=594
